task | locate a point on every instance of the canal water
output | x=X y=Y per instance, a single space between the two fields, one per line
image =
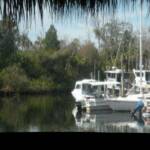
x=59 y=114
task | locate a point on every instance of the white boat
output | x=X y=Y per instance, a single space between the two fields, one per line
x=82 y=90
x=90 y=94
x=98 y=102
x=124 y=103
x=129 y=102
x=95 y=95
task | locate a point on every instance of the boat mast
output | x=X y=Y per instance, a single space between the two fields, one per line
x=141 y=63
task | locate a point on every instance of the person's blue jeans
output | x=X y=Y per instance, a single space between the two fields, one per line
x=139 y=106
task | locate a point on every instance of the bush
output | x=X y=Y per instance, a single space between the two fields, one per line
x=13 y=79
x=29 y=62
x=41 y=85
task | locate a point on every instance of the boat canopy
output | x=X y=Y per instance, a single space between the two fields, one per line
x=142 y=70
x=105 y=83
x=114 y=71
x=86 y=81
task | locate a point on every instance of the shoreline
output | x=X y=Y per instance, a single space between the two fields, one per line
x=50 y=92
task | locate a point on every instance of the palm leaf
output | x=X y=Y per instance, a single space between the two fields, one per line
x=26 y=8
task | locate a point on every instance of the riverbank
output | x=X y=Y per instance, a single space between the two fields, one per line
x=36 y=93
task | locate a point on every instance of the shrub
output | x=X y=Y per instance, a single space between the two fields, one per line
x=13 y=79
x=41 y=85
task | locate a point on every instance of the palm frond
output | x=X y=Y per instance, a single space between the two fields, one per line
x=27 y=8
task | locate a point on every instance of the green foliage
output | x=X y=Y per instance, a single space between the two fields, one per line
x=24 y=42
x=89 y=52
x=8 y=44
x=57 y=67
x=116 y=39
x=13 y=79
x=45 y=112
x=30 y=62
x=41 y=85
x=51 y=40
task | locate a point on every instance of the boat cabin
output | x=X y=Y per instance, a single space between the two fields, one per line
x=145 y=77
x=113 y=75
x=82 y=89
x=90 y=87
x=84 y=86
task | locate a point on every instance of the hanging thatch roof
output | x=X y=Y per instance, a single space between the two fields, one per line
x=26 y=8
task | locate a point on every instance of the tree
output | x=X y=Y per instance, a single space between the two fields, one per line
x=87 y=59
x=13 y=79
x=116 y=39
x=88 y=52
x=51 y=41
x=39 y=44
x=8 y=41
x=24 y=42
x=146 y=48
x=74 y=45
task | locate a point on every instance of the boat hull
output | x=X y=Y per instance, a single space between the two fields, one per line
x=122 y=105
x=95 y=105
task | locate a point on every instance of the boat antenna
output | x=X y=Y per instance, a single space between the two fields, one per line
x=141 y=63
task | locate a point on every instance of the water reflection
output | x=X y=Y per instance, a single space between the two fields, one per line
x=36 y=114
x=110 y=122
x=57 y=113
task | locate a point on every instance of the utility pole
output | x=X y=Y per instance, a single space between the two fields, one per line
x=98 y=75
x=141 y=62
x=94 y=70
x=122 y=77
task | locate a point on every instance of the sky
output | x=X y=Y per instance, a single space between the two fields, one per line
x=80 y=28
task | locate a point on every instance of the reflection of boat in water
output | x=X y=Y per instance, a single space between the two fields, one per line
x=110 y=122
x=84 y=121
x=147 y=121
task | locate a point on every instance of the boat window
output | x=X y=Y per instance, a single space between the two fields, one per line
x=108 y=75
x=146 y=90
x=135 y=90
x=78 y=86
x=147 y=76
x=126 y=75
x=102 y=88
x=111 y=75
x=94 y=89
x=138 y=74
x=119 y=77
x=97 y=91
x=87 y=89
